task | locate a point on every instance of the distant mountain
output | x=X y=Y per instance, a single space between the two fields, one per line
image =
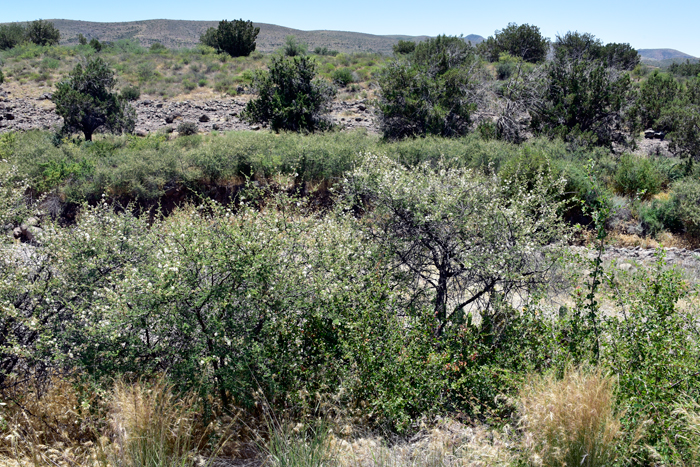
x=474 y=39
x=182 y=33
x=663 y=54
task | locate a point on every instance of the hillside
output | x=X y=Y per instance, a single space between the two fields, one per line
x=662 y=54
x=182 y=33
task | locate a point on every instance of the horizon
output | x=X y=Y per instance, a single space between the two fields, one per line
x=643 y=25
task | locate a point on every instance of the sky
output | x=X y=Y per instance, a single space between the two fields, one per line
x=643 y=24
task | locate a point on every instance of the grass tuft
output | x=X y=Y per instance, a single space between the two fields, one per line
x=571 y=421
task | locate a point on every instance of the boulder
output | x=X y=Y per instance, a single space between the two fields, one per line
x=204 y=118
x=170 y=118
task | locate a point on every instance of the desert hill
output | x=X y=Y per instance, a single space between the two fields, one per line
x=183 y=33
x=663 y=54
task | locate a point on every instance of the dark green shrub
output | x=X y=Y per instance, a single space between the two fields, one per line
x=157 y=48
x=82 y=40
x=325 y=51
x=687 y=195
x=236 y=38
x=2 y=77
x=293 y=47
x=42 y=33
x=429 y=92
x=656 y=95
x=290 y=97
x=637 y=176
x=404 y=47
x=584 y=194
x=683 y=118
x=504 y=69
x=342 y=76
x=527 y=170
x=620 y=56
x=576 y=46
x=96 y=45
x=130 y=93
x=11 y=35
x=524 y=41
x=584 y=102
x=187 y=129
x=86 y=101
x=188 y=85
x=661 y=215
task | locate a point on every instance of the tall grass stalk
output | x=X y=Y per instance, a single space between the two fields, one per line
x=152 y=426
x=296 y=445
x=571 y=421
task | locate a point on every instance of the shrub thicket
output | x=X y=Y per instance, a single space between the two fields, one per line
x=187 y=129
x=42 y=33
x=523 y=41
x=290 y=97
x=637 y=177
x=130 y=93
x=11 y=35
x=584 y=101
x=429 y=91
x=683 y=118
x=656 y=95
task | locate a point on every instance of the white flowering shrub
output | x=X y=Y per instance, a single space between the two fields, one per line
x=462 y=241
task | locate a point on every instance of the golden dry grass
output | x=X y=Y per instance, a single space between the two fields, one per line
x=447 y=444
x=570 y=421
x=45 y=424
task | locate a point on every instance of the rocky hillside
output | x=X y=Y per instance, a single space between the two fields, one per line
x=182 y=33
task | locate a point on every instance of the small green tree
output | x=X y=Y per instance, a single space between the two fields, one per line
x=683 y=119
x=577 y=45
x=620 y=56
x=293 y=47
x=11 y=35
x=584 y=101
x=95 y=44
x=404 y=47
x=429 y=91
x=656 y=95
x=43 y=33
x=290 y=97
x=86 y=101
x=585 y=46
x=236 y=38
x=524 y=41
x=462 y=241
x=82 y=40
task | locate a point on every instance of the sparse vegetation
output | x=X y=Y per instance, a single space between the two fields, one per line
x=293 y=296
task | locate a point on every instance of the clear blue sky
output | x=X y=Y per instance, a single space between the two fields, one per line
x=644 y=24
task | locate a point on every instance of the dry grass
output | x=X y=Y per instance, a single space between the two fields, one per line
x=137 y=425
x=45 y=424
x=447 y=444
x=153 y=426
x=571 y=421
x=688 y=410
